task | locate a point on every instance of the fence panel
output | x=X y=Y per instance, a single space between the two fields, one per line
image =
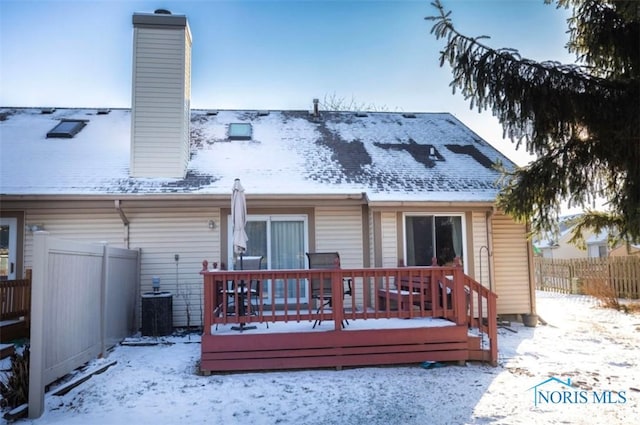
x=569 y=276
x=121 y=294
x=553 y=275
x=76 y=289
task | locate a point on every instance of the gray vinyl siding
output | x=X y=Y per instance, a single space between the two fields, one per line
x=389 y=239
x=89 y=225
x=480 y=254
x=340 y=229
x=511 y=266
x=160 y=233
x=160 y=103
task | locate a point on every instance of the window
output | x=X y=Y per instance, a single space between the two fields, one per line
x=282 y=241
x=240 y=131
x=602 y=251
x=428 y=236
x=67 y=129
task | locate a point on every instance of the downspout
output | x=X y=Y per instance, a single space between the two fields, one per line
x=125 y=221
x=530 y=263
x=489 y=230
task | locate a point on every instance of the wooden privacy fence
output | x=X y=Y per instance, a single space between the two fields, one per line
x=622 y=274
x=83 y=301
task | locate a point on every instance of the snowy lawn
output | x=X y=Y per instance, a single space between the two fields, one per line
x=596 y=349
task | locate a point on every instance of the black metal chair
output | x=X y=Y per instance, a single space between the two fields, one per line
x=255 y=286
x=253 y=291
x=321 y=288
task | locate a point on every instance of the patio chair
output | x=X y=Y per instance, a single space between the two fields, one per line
x=321 y=289
x=255 y=286
x=253 y=291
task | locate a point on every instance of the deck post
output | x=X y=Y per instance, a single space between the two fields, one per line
x=459 y=295
x=337 y=289
x=208 y=304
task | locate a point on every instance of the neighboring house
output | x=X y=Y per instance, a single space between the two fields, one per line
x=383 y=189
x=625 y=250
x=560 y=247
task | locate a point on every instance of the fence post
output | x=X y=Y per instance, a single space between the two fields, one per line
x=38 y=315
x=104 y=279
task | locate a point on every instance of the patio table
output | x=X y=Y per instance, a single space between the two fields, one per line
x=240 y=296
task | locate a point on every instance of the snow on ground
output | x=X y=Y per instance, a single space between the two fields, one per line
x=596 y=349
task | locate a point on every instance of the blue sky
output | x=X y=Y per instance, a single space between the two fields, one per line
x=269 y=54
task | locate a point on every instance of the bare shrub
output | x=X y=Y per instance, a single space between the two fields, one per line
x=603 y=292
x=16 y=389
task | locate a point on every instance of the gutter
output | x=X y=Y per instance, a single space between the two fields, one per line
x=225 y=197
x=125 y=222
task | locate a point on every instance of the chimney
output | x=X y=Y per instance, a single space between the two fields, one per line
x=161 y=95
x=316 y=111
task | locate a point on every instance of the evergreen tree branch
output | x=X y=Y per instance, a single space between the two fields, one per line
x=582 y=122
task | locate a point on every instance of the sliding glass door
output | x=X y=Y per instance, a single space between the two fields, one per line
x=429 y=236
x=282 y=241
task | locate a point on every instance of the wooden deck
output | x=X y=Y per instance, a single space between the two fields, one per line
x=466 y=311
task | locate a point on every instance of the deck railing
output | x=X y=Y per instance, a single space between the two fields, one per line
x=376 y=293
x=15 y=308
x=15 y=298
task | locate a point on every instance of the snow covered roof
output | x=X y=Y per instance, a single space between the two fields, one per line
x=388 y=156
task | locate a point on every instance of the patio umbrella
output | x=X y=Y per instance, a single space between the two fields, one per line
x=239 y=219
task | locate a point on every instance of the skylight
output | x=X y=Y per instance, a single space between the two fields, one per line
x=67 y=129
x=240 y=131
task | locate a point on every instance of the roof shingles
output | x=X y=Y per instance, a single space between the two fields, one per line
x=291 y=152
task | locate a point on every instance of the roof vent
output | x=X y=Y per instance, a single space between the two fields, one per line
x=263 y=113
x=409 y=115
x=212 y=112
x=47 y=110
x=103 y=111
x=162 y=12
x=361 y=114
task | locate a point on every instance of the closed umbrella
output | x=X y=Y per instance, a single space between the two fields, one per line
x=239 y=219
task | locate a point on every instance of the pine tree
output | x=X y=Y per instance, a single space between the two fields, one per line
x=582 y=120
